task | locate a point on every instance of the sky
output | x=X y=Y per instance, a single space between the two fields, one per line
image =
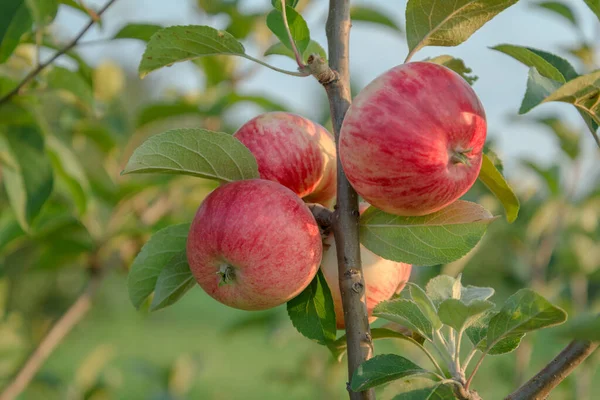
x=373 y=50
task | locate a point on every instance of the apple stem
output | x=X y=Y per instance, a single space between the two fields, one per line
x=461 y=157
x=227 y=273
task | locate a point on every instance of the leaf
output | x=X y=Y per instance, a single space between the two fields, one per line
x=447 y=23
x=495 y=182
x=312 y=312
x=312 y=48
x=173 y=282
x=158 y=111
x=458 y=315
x=567 y=137
x=437 y=238
x=382 y=369
x=477 y=334
x=547 y=64
x=298 y=28
x=594 y=5
x=373 y=16
x=421 y=387
x=406 y=313
x=28 y=177
x=137 y=31
x=425 y=304
x=181 y=43
x=560 y=9
x=538 y=88
x=471 y=293
x=163 y=246
x=584 y=327
x=43 y=11
x=455 y=64
x=60 y=78
x=523 y=312
x=339 y=347
x=583 y=92
x=15 y=20
x=288 y=3
x=441 y=288
x=195 y=152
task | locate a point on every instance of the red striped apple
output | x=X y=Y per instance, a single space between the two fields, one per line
x=253 y=245
x=412 y=141
x=294 y=151
x=383 y=278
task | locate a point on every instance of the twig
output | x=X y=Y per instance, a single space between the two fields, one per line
x=59 y=53
x=59 y=331
x=540 y=386
x=335 y=78
x=299 y=60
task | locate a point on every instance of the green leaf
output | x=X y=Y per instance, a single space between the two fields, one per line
x=137 y=31
x=422 y=388
x=382 y=369
x=15 y=20
x=288 y=3
x=312 y=48
x=567 y=137
x=583 y=92
x=339 y=347
x=157 y=253
x=312 y=312
x=373 y=16
x=425 y=304
x=298 y=28
x=477 y=334
x=538 y=88
x=406 y=313
x=594 y=5
x=437 y=238
x=195 y=152
x=471 y=293
x=28 y=177
x=495 y=182
x=550 y=175
x=584 y=327
x=560 y=9
x=182 y=43
x=447 y=23
x=455 y=64
x=523 y=312
x=547 y=64
x=173 y=282
x=458 y=315
x=10 y=230
x=159 y=111
x=60 y=78
x=441 y=288
x=43 y=11
x=74 y=5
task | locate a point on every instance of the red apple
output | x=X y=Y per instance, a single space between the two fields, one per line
x=383 y=278
x=412 y=141
x=253 y=245
x=294 y=151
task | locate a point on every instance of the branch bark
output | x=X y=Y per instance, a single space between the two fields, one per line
x=59 y=53
x=336 y=80
x=540 y=386
x=59 y=331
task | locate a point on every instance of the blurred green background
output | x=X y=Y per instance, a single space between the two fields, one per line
x=92 y=111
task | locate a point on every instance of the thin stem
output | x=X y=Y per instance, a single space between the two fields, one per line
x=299 y=60
x=468 y=359
x=59 y=53
x=293 y=73
x=479 y=362
x=457 y=351
x=432 y=359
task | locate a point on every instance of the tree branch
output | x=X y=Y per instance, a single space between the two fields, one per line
x=59 y=53
x=59 y=331
x=540 y=386
x=335 y=78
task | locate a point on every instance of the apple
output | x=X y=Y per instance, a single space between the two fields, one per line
x=383 y=278
x=253 y=245
x=294 y=151
x=412 y=141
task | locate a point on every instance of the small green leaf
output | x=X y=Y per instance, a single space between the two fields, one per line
x=312 y=48
x=594 y=5
x=495 y=182
x=159 y=111
x=15 y=20
x=182 y=43
x=560 y=9
x=455 y=64
x=312 y=312
x=583 y=92
x=447 y=23
x=458 y=315
x=538 y=88
x=43 y=11
x=441 y=288
x=154 y=256
x=28 y=177
x=195 y=152
x=437 y=238
x=339 y=347
x=74 y=5
x=406 y=313
x=421 y=387
x=523 y=312
x=425 y=304
x=288 y=3
x=477 y=334
x=60 y=78
x=471 y=293
x=382 y=369
x=298 y=28
x=547 y=64
x=173 y=282
x=584 y=327
x=137 y=31
x=373 y=16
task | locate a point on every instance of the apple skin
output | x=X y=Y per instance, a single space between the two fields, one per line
x=294 y=151
x=260 y=238
x=412 y=141
x=383 y=278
